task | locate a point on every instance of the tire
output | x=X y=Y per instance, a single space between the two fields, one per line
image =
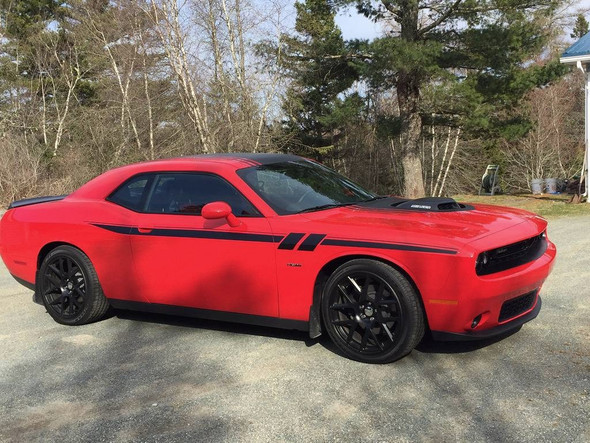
x=69 y=287
x=371 y=312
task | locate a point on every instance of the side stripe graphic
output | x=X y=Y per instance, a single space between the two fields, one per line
x=374 y=245
x=310 y=243
x=288 y=242
x=291 y=240
x=117 y=229
x=190 y=233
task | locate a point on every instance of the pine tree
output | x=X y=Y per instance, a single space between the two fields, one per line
x=484 y=48
x=580 y=28
x=318 y=103
x=21 y=18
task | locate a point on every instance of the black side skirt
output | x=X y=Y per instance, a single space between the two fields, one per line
x=207 y=314
x=25 y=283
x=30 y=286
x=488 y=333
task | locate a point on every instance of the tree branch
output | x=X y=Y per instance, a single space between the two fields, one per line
x=441 y=18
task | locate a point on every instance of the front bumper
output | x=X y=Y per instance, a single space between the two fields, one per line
x=471 y=305
x=489 y=333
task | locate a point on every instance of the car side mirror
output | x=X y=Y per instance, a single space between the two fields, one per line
x=217 y=210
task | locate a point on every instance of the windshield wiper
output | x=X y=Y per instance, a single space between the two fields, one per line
x=372 y=199
x=320 y=207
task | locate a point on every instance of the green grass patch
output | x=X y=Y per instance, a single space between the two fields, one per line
x=546 y=205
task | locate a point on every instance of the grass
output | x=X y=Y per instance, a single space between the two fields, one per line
x=546 y=205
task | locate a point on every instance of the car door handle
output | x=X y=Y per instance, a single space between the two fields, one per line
x=144 y=230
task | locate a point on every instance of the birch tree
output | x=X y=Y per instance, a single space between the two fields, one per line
x=167 y=19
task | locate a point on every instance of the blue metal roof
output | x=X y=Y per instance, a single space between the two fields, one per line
x=580 y=48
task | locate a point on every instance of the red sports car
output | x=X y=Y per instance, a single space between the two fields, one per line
x=283 y=241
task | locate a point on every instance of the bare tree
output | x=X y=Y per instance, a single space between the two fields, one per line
x=554 y=146
x=70 y=73
x=211 y=48
x=166 y=17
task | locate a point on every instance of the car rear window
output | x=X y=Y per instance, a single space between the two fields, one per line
x=132 y=193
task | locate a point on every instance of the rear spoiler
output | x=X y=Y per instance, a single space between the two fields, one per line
x=36 y=200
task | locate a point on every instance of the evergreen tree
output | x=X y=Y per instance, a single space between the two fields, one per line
x=21 y=18
x=479 y=49
x=580 y=28
x=318 y=103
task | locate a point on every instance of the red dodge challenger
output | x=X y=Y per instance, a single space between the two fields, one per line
x=282 y=241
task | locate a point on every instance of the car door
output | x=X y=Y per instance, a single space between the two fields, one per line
x=184 y=259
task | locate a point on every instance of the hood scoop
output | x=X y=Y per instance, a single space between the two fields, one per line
x=433 y=204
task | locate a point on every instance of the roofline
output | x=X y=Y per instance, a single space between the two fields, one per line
x=573 y=59
x=248 y=158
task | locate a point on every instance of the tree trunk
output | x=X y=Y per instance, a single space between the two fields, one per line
x=408 y=97
x=408 y=94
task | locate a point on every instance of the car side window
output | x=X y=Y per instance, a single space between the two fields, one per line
x=187 y=193
x=132 y=193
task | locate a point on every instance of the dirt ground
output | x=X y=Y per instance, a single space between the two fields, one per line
x=137 y=377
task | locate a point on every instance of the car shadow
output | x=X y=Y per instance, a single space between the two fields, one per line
x=430 y=346
x=427 y=345
x=215 y=325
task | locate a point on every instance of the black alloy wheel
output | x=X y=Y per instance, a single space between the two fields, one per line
x=69 y=287
x=371 y=312
x=65 y=286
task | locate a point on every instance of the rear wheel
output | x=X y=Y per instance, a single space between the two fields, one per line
x=371 y=312
x=69 y=287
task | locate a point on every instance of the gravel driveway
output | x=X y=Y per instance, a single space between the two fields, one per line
x=137 y=377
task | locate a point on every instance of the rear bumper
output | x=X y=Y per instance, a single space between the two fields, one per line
x=488 y=333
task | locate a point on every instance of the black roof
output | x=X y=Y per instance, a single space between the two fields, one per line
x=260 y=158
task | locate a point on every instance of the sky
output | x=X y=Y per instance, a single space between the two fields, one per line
x=354 y=25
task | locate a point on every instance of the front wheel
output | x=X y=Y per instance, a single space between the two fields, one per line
x=69 y=287
x=371 y=312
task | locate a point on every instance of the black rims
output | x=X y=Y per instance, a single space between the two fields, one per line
x=64 y=286
x=366 y=313
x=69 y=287
x=371 y=312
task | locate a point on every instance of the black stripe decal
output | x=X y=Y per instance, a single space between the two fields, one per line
x=288 y=243
x=291 y=240
x=310 y=243
x=217 y=235
x=117 y=229
x=191 y=233
x=374 y=245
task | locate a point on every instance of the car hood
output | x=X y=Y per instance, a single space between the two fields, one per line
x=452 y=229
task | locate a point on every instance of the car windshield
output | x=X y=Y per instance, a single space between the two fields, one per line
x=302 y=186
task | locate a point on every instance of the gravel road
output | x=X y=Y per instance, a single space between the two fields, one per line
x=137 y=377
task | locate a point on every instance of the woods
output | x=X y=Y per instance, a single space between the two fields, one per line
x=450 y=86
